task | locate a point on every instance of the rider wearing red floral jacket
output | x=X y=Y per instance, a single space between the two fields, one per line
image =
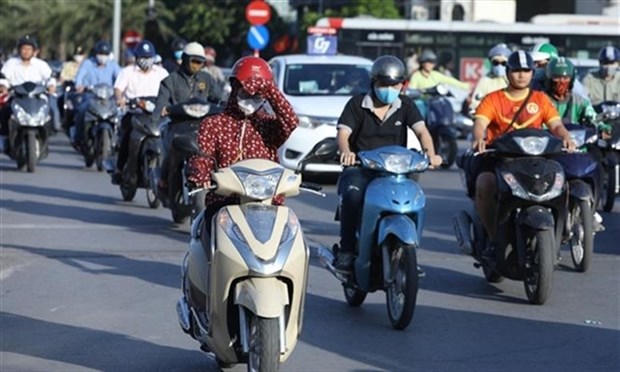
x=244 y=130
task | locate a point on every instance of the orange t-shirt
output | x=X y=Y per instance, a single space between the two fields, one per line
x=498 y=109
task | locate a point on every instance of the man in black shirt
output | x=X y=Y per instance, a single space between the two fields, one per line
x=378 y=118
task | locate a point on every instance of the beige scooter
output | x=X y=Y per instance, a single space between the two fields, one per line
x=243 y=295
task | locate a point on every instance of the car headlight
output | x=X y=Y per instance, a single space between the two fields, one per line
x=396 y=163
x=259 y=186
x=532 y=145
x=196 y=110
x=578 y=136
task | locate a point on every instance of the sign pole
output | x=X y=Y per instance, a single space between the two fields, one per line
x=256 y=54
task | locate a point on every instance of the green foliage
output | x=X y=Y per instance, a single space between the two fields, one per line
x=375 y=8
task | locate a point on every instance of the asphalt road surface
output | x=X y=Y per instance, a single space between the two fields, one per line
x=89 y=282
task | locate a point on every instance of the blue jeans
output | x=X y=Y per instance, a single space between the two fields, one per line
x=80 y=114
x=352 y=190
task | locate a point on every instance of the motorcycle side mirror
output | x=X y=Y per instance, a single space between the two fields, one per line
x=324 y=150
x=185 y=145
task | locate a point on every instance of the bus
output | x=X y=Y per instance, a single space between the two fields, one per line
x=464 y=43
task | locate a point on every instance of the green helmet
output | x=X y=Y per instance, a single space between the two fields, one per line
x=542 y=51
x=560 y=66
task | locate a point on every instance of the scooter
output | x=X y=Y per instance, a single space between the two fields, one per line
x=389 y=233
x=29 y=125
x=583 y=174
x=439 y=116
x=189 y=115
x=609 y=112
x=99 y=126
x=531 y=212
x=244 y=293
x=145 y=150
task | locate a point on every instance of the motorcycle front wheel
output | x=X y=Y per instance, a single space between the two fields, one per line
x=150 y=165
x=446 y=147
x=33 y=145
x=104 y=149
x=582 y=240
x=264 y=335
x=402 y=286
x=538 y=279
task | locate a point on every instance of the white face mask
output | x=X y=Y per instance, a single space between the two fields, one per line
x=78 y=58
x=250 y=105
x=102 y=59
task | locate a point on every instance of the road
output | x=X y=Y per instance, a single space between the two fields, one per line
x=89 y=282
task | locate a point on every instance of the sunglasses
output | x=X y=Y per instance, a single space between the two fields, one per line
x=497 y=63
x=196 y=61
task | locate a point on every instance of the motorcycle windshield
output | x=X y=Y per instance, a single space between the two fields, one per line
x=29 y=89
x=103 y=109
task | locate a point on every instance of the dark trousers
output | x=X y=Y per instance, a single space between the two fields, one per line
x=125 y=135
x=172 y=159
x=352 y=190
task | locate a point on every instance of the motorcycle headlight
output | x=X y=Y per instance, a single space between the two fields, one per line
x=578 y=136
x=196 y=110
x=396 y=163
x=259 y=186
x=515 y=187
x=38 y=119
x=291 y=228
x=532 y=145
x=103 y=92
x=224 y=220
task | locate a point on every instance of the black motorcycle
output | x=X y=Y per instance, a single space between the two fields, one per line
x=440 y=120
x=29 y=125
x=144 y=152
x=531 y=210
x=188 y=116
x=99 y=126
x=609 y=113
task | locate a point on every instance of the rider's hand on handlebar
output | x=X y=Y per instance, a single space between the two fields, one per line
x=347 y=158
x=121 y=102
x=435 y=161
x=479 y=145
x=569 y=144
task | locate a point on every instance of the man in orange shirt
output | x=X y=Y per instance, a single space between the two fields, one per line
x=496 y=115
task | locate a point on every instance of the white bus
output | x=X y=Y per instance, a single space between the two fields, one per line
x=466 y=43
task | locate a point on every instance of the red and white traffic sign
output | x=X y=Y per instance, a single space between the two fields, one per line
x=258 y=12
x=471 y=69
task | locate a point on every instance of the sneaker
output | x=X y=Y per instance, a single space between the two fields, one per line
x=344 y=262
x=598 y=222
x=421 y=273
x=117 y=177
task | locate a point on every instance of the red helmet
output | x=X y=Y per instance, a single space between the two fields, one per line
x=251 y=67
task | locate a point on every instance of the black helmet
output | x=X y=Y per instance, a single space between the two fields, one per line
x=388 y=70
x=27 y=40
x=520 y=60
x=103 y=47
x=609 y=54
x=178 y=44
x=427 y=56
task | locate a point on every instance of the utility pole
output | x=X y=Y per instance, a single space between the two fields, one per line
x=116 y=30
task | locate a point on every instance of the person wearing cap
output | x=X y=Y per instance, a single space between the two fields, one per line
x=495 y=116
x=140 y=80
x=211 y=68
x=426 y=77
x=369 y=121
x=604 y=84
x=496 y=78
x=244 y=130
x=190 y=81
x=26 y=67
x=98 y=69
x=70 y=68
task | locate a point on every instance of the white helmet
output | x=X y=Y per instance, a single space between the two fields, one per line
x=194 y=49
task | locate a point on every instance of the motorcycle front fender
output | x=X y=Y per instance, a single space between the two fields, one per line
x=399 y=225
x=265 y=297
x=536 y=217
x=580 y=190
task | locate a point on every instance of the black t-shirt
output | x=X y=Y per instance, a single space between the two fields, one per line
x=369 y=132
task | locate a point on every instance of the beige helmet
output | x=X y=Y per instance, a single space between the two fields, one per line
x=194 y=49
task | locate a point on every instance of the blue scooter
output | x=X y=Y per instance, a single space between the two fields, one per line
x=583 y=174
x=389 y=233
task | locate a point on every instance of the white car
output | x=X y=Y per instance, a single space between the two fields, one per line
x=318 y=87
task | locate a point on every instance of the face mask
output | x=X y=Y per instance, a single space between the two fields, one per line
x=145 y=63
x=178 y=54
x=249 y=105
x=102 y=59
x=78 y=58
x=560 y=88
x=608 y=70
x=498 y=70
x=386 y=95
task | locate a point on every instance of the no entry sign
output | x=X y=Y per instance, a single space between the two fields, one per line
x=258 y=12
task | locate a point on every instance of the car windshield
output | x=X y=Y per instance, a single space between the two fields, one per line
x=326 y=79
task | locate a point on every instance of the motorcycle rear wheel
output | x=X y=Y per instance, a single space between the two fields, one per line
x=402 y=290
x=582 y=241
x=264 y=354
x=538 y=279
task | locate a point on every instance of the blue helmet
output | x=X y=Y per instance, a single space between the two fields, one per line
x=520 y=60
x=144 y=49
x=103 y=47
x=609 y=54
x=499 y=50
